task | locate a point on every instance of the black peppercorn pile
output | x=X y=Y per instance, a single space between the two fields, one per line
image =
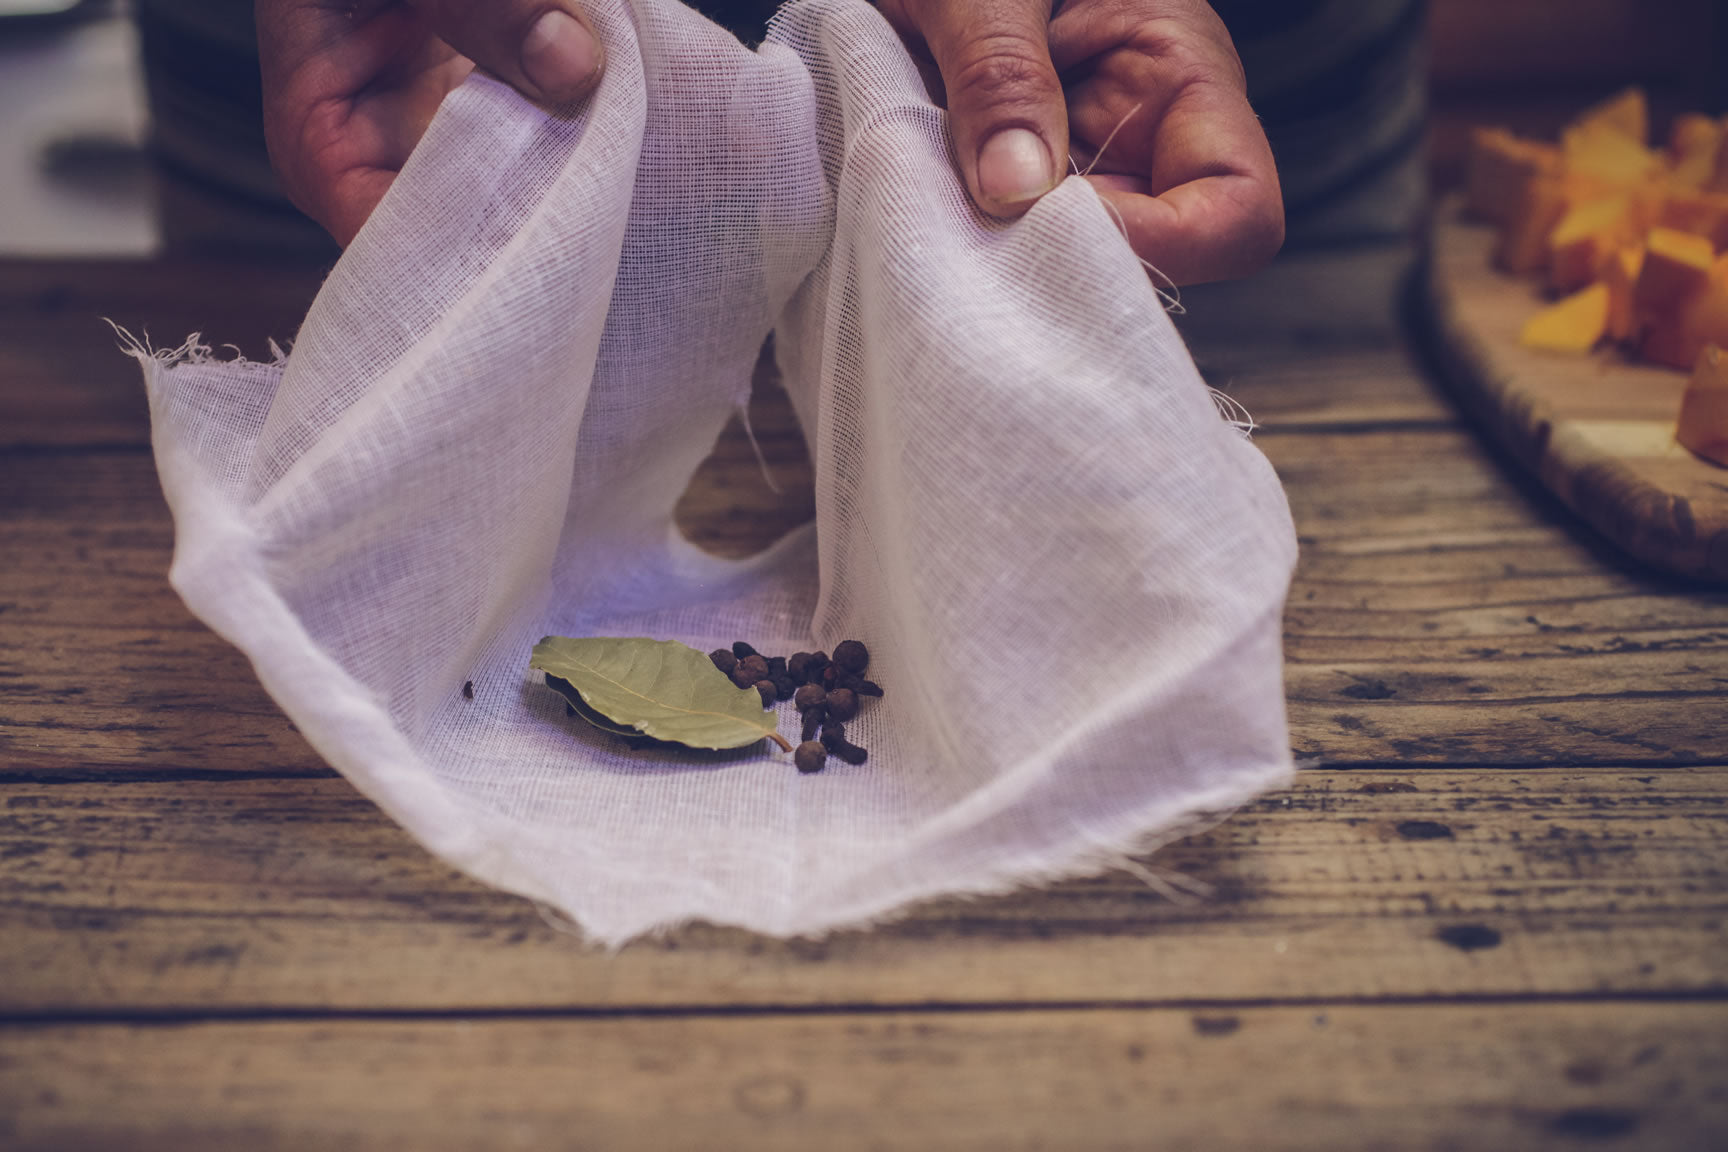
x=826 y=690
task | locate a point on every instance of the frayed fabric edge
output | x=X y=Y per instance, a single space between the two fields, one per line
x=192 y=352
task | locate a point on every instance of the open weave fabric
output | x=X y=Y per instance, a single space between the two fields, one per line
x=1070 y=571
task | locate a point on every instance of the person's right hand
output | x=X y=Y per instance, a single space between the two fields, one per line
x=350 y=85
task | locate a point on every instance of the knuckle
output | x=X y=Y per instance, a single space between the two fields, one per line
x=1003 y=69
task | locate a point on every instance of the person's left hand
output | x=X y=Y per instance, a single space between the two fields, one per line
x=350 y=85
x=1187 y=168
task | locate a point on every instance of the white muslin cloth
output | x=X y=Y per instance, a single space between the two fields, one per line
x=1069 y=569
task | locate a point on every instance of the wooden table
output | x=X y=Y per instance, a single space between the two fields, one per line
x=1490 y=917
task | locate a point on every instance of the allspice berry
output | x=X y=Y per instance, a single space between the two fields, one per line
x=852 y=656
x=834 y=739
x=810 y=756
x=769 y=693
x=842 y=704
x=741 y=649
x=755 y=665
x=809 y=696
x=724 y=660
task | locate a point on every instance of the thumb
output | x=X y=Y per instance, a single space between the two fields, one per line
x=1005 y=107
x=545 y=49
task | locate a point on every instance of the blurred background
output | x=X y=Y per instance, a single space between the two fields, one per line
x=129 y=128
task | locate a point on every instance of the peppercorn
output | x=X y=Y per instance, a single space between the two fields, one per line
x=468 y=690
x=776 y=666
x=852 y=656
x=813 y=718
x=842 y=704
x=724 y=660
x=796 y=663
x=783 y=686
x=810 y=696
x=766 y=689
x=742 y=650
x=810 y=756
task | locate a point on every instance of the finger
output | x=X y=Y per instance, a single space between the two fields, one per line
x=1191 y=176
x=545 y=49
x=1214 y=228
x=1006 y=113
x=1212 y=208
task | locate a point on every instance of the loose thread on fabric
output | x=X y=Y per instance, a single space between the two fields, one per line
x=1173 y=298
x=556 y=920
x=1099 y=155
x=1233 y=411
x=1183 y=891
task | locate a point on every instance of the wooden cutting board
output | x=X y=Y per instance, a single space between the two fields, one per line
x=1596 y=431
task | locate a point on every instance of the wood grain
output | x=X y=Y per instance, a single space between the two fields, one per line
x=1489 y=1077
x=1494 y=919
x=1357 y=885
x=1597 y=432
x=1439 y=614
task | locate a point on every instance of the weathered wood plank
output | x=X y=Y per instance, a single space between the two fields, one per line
x=1366 y=884
x=1288 y=390
x=63 y=380
x=1525 y=1077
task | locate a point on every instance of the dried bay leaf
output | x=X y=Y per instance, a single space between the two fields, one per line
x=660 y=688
x=581 y=708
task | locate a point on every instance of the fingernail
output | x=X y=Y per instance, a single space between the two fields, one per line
x=1014 y=167
x=559 y=56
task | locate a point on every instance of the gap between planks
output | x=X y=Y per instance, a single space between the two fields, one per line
x=25 y=1021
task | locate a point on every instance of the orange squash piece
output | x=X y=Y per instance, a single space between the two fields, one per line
x=1626 y=112
x=1719 y=180
x=1676 y=268
x=1606 y=154
x=1693 y=143
x=1574 y=324
x=1621 y=276
x=1500 y=170
x=1585 y=239
x=1703 y=425
x=1523 y=246
x=1698 y=320
x=1700 y=213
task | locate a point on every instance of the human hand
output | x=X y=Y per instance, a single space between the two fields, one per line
x=1187 y=169
x=350 y=85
